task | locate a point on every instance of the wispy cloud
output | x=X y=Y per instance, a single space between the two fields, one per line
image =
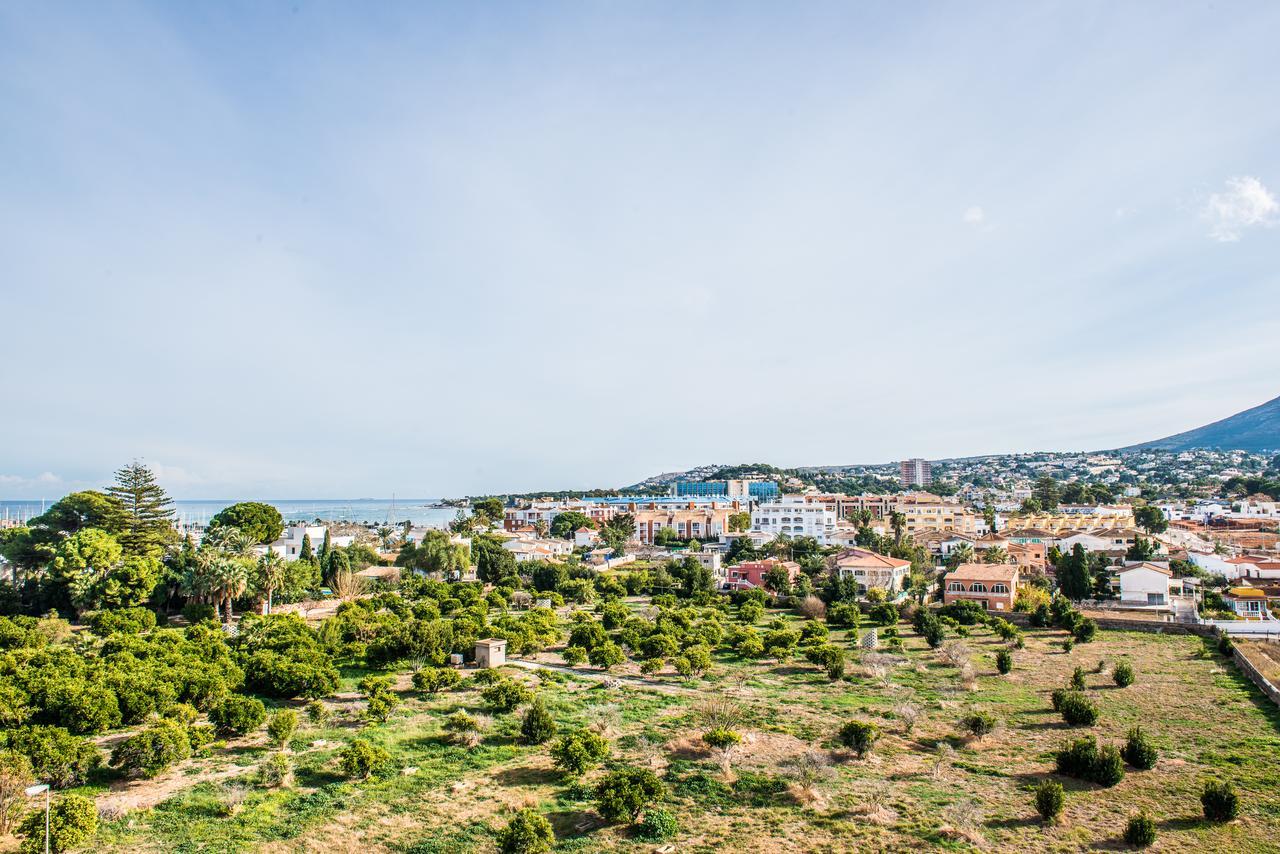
x=974 y=216
x=1246 y=203
x=17 y=480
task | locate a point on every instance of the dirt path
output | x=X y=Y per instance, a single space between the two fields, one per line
x=598 y=676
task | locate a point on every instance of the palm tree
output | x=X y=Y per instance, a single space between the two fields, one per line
x=897 y=521
x=230 y=577
x=271 y=569
x=385 y=534
x=962 y=553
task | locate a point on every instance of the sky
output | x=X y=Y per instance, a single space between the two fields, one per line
x=320 y=250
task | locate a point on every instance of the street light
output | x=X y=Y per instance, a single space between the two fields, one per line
x=32 y=791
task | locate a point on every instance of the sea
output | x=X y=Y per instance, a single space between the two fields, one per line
x=425 y=512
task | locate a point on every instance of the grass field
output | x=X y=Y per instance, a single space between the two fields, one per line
x=930 y=789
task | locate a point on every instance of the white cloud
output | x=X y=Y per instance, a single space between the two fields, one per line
x=974 y=216
x=1245 y=204
x=17 y=480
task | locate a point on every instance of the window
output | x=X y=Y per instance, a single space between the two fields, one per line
x=978 y=587
x=999 y=588
x=955 y=587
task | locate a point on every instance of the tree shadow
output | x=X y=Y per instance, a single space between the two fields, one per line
x=1014 y=823
x=526 y=776
x=1184 y=823
x=573 y=823
x=317 y=777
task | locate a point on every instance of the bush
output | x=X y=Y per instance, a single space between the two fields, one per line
x=1139 y=752
x=1004 y=661
x=275 y=770
x=1085 y=630
x=73 y=821
x=1068 y=645
x=537 y=726
x=362 y=760
x=978 y=724
x=505 y=695
x=658 y=825
x=1084 y=760
x=433 y=680
x=15 y=777
x=526 y=833
x=579 y=751
x=934 y=633
x=182 y=713
x=282 y=726
x=830 y=658
x=859 y=736
x=198 y=612
x=574 y=655
x=1077 y=679
x=1077 y=709
x=237 y=715
x=57 y=757
x=625 y=793
x=1040 y=617
x=1219 y=801
x=1056 y=698
x=200 y=736
x=885 y=615
x=129 y=621
x=317 y=713
x=152 y=750
x=1049 y=800
x=1225 y=646
x=1140 y=831
x=1123 y=674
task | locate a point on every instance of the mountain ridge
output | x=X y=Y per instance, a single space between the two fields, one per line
x=1256 y=429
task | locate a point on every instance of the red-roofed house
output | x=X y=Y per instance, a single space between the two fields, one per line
x=751 y=573
x=991 y=585
x=871 y=569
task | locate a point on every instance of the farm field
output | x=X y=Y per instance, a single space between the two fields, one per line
x=930 y=788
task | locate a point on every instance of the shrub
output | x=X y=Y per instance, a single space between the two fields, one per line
x=197 y=612
x=1139 y=752
x=526 y=833
x=1004 y=661
x=625 y=793
x=237 y=715
x=830 y=658
x=130 y=621
x=1140 y=831
x=885 y=614
x=275 y=770
x=1077 y=679
x=362 y=760
x=1084 y=760
x=281 y=727
x=57 y=757
x=1049 y=800
x=433 y=680
x=1078 y=710
x=1219 y=801
x=1085 y=630
x=978 y=724
x=1123 y=674
x=462 y=729
x=934 y=633
x=1056 y=698
x=317 y=713
x=147 y=753
x=1068 y=645
x=73 y=821
x=579 y=751
x=182 y=713
x=505 y=695
x=658 y=825
x=537 y=726
x=1040 y=617
x=606 y=655
x=15 y=777
x=200 y=736
x=859 y=736
x=1225 y=646
x=573 y=655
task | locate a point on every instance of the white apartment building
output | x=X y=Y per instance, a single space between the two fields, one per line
x=290 y=543
x=796 y=518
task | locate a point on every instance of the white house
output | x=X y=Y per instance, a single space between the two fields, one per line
x=290 y=543
x=1216 y=564
x=796 y=518
x=526 y=550
x=1145 y=583
x=585 y=537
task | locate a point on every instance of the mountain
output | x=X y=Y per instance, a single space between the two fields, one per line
x=1256 y=429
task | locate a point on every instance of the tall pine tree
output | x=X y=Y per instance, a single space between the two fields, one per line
x=148 y=523
x=1074 y=576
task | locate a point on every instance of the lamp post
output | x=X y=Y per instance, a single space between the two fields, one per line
x=32 y=791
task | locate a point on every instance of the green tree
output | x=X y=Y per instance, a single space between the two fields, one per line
x=148 y=510
x=80 y=510
x=1046 y=492
x=1074 y=577
x=260 y=522
x=740 y=521
x=578 y=752
x=1150 y=519
x=564 y=524
x=526 y=833
x=73 y=821
x=490 y=508
x=82 y=563
x=627 y=792
x=537 y=726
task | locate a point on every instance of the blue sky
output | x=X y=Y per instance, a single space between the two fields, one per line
x=355 y=249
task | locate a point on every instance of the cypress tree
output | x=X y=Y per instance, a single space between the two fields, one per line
x=304 y=553
x=325 y=546
x=148 y=524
